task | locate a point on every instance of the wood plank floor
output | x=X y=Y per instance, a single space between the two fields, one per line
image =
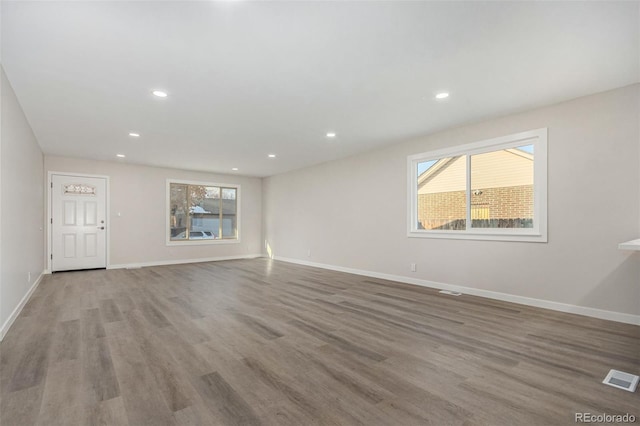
x=261 y=342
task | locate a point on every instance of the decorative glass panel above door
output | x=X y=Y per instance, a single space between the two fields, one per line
x=79 y=189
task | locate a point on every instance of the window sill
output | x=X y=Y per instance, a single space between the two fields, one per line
x=630 y=245
x=202 y=242
x=482 y=236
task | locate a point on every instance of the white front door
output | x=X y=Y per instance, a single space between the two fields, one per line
x=78 y=222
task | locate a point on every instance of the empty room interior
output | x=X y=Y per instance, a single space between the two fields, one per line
x=319 y=213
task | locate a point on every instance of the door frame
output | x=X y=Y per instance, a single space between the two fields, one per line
x=50 y=212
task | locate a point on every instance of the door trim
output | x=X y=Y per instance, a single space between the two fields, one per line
x=50 y=213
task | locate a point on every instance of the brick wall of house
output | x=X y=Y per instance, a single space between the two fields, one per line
x=513 y=202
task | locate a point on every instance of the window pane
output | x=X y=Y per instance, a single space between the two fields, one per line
x=178 y=212
x=442 y=202
x=205 y=208
x=502 y=188
x=202 y=212
x=229 y=221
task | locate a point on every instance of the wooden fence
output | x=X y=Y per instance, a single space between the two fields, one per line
x=460 y=224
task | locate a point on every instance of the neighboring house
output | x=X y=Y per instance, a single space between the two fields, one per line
x=501 y=188
x=206 y=217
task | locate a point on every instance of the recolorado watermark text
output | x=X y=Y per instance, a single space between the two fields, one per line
x=604 y=418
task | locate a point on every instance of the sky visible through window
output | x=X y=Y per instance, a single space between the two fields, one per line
x=526 y=148
x=423 y=167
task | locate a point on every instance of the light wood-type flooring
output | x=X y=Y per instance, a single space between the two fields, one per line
x=253 y=342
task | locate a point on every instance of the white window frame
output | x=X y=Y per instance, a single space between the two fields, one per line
x=537 y=138
x=167 y=226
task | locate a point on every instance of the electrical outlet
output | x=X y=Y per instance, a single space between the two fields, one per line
x=412 y=267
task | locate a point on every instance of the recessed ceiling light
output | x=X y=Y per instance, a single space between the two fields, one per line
x=134 y=135
x=120 y=155
x=235 y=169
x=331 y=135
x=272 y=156
x=442 y=95
x=160 y=93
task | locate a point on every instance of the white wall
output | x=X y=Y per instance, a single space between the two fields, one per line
x=22 y=201
x=352 y=213
x=138 y=193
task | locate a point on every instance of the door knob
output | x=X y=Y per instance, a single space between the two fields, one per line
x=100 y=227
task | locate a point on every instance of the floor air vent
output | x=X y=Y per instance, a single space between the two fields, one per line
x=450 y=293
x=621 y=380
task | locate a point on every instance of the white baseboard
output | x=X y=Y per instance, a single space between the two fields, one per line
x=181 y=261
x=522 y=300
x=9 y=322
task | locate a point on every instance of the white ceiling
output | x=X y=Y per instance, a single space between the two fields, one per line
x=246 y=79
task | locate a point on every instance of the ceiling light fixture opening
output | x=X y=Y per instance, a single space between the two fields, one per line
x=134 y=135
x=331 y=135
x=160 y=93
x=272 y=156
x=120 y=155
x=235 y=169
x=442 y=95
